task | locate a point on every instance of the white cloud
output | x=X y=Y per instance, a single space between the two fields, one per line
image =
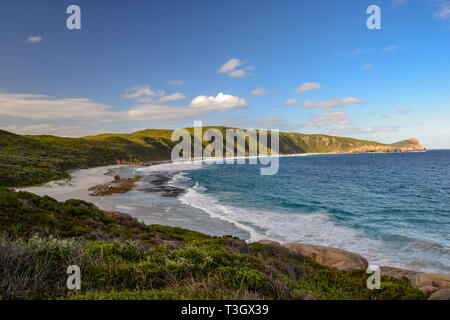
x=230 y=68
x=353 y=54
x=305 y=87
x=176 y=82
x=332 y=103
x=328 y=118
x=221 y=102
x=145 y=100
x=237 y=74
x=352 y=100
x=44 y=108
x=402 y=111
x=260 y=92
x=34 y=39
x=390 y=49
x=443 y=9
x=140 y=91
x=368 y=66
x=292 y=102
x=51 y=129
x=173 y=97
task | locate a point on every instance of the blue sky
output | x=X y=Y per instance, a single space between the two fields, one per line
x=306 y=66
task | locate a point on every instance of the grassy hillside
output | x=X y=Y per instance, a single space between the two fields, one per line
x=29 y=160
x=121 y=258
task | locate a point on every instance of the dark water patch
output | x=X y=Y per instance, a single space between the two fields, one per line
x=159 y=183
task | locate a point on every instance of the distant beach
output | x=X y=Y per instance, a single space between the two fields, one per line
x=77 y=187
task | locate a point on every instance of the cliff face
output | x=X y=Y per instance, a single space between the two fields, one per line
x=411 y=145
x=331 y=144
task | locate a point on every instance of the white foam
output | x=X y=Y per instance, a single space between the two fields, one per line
x=318 y=228
x=179 y=177
x=198 y=163
x=173 y=166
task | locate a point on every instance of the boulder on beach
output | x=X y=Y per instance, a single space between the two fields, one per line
x=117 y=185
x=440 y=281
x=443 y=294
x=275 y=249
x=428 y=290
x=331 y=257
x=397 y=272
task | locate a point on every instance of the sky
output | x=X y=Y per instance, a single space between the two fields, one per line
x=298 y=66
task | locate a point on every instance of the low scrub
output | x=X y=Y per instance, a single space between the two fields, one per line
x=121 y=258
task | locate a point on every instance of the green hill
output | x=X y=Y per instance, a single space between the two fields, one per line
x=30 y=160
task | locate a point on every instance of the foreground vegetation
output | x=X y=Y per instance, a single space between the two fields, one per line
x=31 y=160
x=121 y=258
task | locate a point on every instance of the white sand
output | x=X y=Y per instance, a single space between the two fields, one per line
x=77 y=187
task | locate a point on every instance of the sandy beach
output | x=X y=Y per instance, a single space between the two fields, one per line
x=77 y=187
x=157 y=211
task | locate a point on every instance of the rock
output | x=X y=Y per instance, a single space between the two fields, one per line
x=440 y=281
x=331 y=257
x=443 y=294
x=396 y=272
x=275 y=249
x=428 y=290
x=124 y=218
x=118 y=185
x=266 y=241
x=237 y=245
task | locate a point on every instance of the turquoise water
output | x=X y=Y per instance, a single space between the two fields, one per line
x=392 y=208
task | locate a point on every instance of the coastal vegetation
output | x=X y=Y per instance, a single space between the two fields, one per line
x=121 y=258
x=32 y=160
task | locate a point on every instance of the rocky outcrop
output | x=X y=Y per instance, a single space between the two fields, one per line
x=331 y=257
x=436 y=286
x=410 y=145
x=276 y=250
x=118 y=185
x=397 y=272
x=428 y=283
x=428 y=290
x=424 y=281
x=443 y=294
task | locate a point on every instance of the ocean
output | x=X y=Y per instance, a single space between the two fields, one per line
x=394 y=209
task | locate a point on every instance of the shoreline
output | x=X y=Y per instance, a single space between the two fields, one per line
x=77 y=188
